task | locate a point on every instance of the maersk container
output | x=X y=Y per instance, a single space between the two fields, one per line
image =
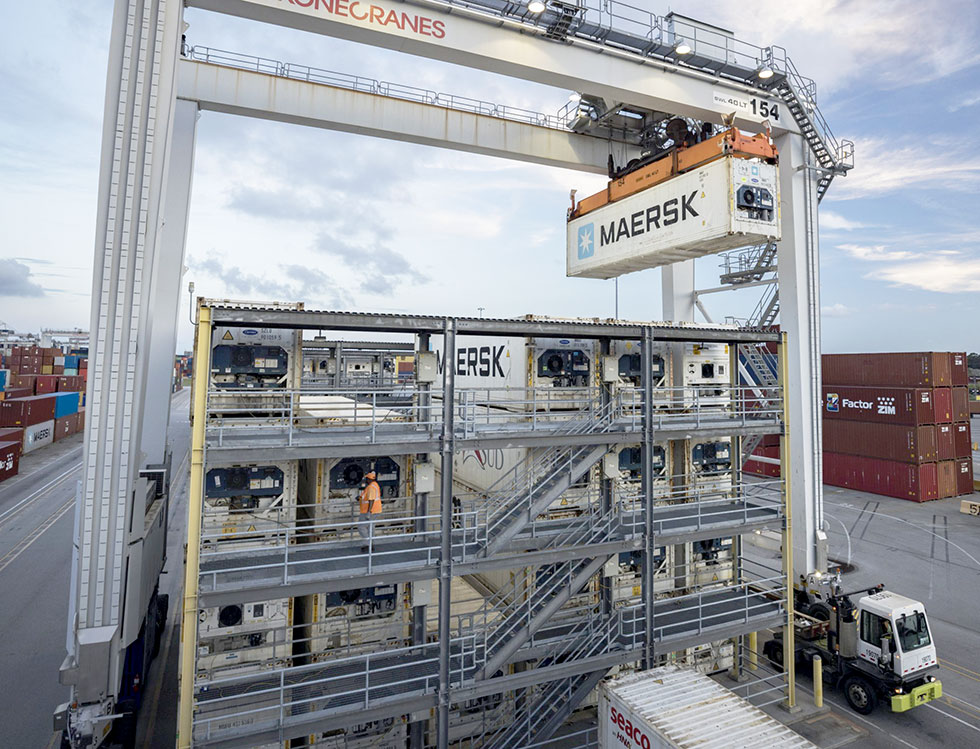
x=728 y=203
x=929 y=369
x=962 y=444
x=38 y=435
x=908 y=444
x=523 y=374
x=673 y=708
x=909 y=406
x=912 y=481
x=958 y=370
x=945 y=449
x=961 y=403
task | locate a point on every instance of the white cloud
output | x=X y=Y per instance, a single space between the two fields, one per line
x=968 y=101
x=945 y=275
x=835 y=310
x=877 y=252
x=831 y=221
x=890 y=42
x=885 y=166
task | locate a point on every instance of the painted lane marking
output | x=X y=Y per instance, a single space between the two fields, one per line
x=37 y=493
x=34 y=535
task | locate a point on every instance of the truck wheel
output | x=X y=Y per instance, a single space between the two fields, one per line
x=774 y=651
x=860 y=695
x=820 y=611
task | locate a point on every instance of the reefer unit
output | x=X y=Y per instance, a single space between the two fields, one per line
x=911 y=370
x=915 y=482
x=248 y=503
x=908 y=444
x=330 y=489
x=359 y=620
x=707 y=375
x=251 y=364
x=909 y=406
x=671 y=707
x=728 y=203
x=243 y=638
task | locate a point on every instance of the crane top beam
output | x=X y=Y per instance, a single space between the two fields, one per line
x=501 y=44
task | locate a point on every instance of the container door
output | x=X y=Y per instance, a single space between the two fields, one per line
x=870 y=634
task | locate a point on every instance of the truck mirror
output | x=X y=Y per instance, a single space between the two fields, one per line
x=891 y=645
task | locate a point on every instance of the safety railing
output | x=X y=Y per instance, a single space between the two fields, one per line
x=350 y=82
x=241 y=704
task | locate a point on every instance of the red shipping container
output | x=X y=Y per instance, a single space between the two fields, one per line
x=81 y=418
x=9 y=459
x=915 y=482
x=909 y=406
x=962 y=441
x=911 y=370
x=769 y=440
x=28 y=382
x=25 y=412
x=961 y=404
x=964 y=476
x=70 y=383
x=13 y=434
x=66 y=426
x=944 y=441
x=958 y=370
x=942 y=399
x=906 y=444
x=17 y=393
x=947 y=478
x=45 y=384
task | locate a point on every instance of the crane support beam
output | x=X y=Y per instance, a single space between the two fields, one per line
x=233 y=91
x=479 y=40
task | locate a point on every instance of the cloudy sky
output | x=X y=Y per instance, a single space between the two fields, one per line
x=343 y=221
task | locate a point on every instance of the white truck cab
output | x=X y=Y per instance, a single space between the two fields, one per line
x=893 y=632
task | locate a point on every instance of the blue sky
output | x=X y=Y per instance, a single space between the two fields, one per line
x=339 y=220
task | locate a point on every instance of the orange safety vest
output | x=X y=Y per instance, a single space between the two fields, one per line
x=371 y=498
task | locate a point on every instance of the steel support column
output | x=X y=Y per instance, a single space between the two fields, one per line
x=446 y=528
x=416 y=729
x=168 y=267
x=646 y=478
x=799 y=310
x=606 y=498
x=679 y=300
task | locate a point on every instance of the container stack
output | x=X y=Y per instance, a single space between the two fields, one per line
x=42 y=393
x=897 y=424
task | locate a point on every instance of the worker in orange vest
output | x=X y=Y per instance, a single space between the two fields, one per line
x=370 y=506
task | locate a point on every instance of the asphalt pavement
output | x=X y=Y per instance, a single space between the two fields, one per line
x=36 y=535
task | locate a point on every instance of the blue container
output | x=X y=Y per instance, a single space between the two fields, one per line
x=65 y=404
x=71 y=362
x=3 y=379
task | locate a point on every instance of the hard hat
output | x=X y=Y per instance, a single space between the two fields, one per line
x=370 y=475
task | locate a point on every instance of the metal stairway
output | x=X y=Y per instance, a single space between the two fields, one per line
x=550 y=706
x=757 y=366
x=544 y=594
x=748 y=265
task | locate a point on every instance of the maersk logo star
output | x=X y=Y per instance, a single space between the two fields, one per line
x=586 y=241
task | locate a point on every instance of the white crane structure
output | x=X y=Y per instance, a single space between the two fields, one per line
x=615 y=55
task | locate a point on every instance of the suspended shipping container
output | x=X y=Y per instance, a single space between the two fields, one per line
x=728 y=203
